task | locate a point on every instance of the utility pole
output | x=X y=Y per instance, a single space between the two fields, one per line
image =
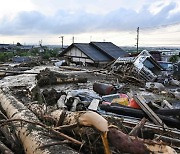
x=90 y=38
x=62 y=37
x=73 y=39
x=137 y=45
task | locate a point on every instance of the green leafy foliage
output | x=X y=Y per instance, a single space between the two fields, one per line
x=6 y=56
x=174 y=59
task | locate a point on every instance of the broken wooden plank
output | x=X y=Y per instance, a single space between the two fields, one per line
x=144 y=106
x=166 y=103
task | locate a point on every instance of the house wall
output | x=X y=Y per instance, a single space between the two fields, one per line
x=78 y=56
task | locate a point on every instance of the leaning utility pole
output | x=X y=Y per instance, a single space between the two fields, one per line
x=62 y=37
x=137 y=45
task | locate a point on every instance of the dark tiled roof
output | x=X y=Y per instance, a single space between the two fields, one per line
x=99 y=51
x=110 y=49
x=92 y=52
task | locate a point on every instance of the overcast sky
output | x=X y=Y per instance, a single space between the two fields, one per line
x=29 y=21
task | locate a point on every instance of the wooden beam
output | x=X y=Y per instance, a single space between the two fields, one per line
x=144 y=106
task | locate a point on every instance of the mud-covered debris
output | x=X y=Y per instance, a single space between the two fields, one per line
x=51 y=96
x=48 y=77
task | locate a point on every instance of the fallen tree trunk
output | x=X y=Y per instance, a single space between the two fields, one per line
x=73 y=122
x=30 y=135
x=118 y=139
x=48 y=77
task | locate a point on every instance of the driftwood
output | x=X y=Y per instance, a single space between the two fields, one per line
x=135 y=131
x=30 y=135
x=47 y=77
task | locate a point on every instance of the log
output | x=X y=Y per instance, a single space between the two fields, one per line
x=129 y=144
x=30 y=135
x=166 y=103
x=124 y=143
x=70 y=68
x=85 y=118
x=120 y=140
x=48 y=77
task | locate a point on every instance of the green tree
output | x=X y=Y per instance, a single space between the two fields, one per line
x=46 y=55
x=6 y=56
x=174 y=58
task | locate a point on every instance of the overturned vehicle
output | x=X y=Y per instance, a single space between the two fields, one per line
x=143 y=67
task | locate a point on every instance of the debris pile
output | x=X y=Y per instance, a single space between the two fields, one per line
x=73 y=110
x=47 y=77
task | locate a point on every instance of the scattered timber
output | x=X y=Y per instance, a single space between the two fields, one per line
x=30 y=135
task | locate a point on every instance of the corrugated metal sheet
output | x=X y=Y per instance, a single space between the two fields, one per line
x=110 y=49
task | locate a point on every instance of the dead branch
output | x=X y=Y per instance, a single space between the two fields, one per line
x=61 y=118
x=135 y=131
x=66 y=127
x=44 y=126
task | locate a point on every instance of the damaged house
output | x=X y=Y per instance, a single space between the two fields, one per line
x=93 y=53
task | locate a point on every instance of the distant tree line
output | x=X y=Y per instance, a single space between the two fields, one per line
x=46 y=54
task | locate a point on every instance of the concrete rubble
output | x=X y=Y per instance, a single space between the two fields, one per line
x=126 y=108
